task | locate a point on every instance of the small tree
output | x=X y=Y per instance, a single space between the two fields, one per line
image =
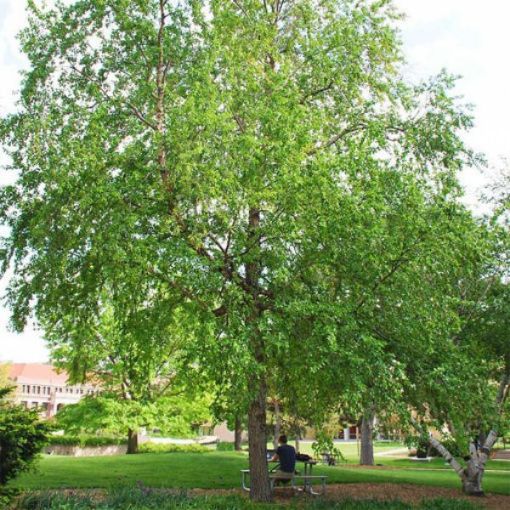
x=173 y=415
x=478 y=428
x=134 y=347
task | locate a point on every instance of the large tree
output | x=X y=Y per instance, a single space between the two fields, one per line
x=196 y=145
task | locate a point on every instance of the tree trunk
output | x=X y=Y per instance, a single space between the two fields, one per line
x=472 y=475
x=132 y=441
x=297 y=441
x=367 y=439
x=238 y=434
x=259 y=477
x=472 y=479
x=277 y=424
x=260 y=488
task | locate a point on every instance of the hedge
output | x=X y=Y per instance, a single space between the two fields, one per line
x=83 y=441
x=172 y=448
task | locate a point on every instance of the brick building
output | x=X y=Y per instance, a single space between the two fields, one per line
x=42 y=387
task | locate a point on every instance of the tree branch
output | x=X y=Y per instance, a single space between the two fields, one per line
x=314 y=93
x=336 y=138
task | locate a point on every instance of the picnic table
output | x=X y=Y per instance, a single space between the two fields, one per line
x=307 y=478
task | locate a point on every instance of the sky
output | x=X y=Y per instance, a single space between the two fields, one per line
x=465 y=37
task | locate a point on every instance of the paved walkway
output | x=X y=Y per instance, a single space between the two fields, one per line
x=396 y=452
x=502 y=455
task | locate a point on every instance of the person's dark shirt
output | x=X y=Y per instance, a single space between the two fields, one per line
x=287 y=457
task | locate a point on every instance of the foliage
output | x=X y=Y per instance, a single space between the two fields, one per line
x=4 y=375
x=325 y=444
x=479 y=365
x=139 y=386
x=172 y=448
x=252 y=182
x=422 y=444
x=173 y=415
x=84 y=441
x=451 y=445
x=22 y=436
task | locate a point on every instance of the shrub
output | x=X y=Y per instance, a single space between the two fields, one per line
x=22 y=436
x=83 y=441
x=421 y=443
x=325 y=445
x=224 y=446
x=172 y=448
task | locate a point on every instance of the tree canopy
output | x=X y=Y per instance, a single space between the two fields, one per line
x=260 y=168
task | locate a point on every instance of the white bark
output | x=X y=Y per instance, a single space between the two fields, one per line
x=472 y=474
x=447 y=456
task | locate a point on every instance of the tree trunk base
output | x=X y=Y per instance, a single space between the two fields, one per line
x=472 y=488
x=260 y=488
x=478 y=494
x=132 y=446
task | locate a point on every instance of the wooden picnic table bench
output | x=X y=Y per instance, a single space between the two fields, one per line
x=306 y=478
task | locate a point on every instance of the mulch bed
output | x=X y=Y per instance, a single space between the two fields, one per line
x=408 y=493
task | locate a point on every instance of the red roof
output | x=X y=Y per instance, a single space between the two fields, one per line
x=37 y=373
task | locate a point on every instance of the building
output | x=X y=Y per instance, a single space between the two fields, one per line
x=41 y=386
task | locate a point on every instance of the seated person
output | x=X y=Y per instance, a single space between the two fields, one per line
x=286 y=456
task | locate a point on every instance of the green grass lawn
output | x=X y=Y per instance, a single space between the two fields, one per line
x=217 y=470
x=350 y=450
x=437 y=463
x=351 y=453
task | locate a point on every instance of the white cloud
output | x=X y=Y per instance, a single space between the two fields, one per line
x=12 y=19
x=470 y=40
x=29 y=346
